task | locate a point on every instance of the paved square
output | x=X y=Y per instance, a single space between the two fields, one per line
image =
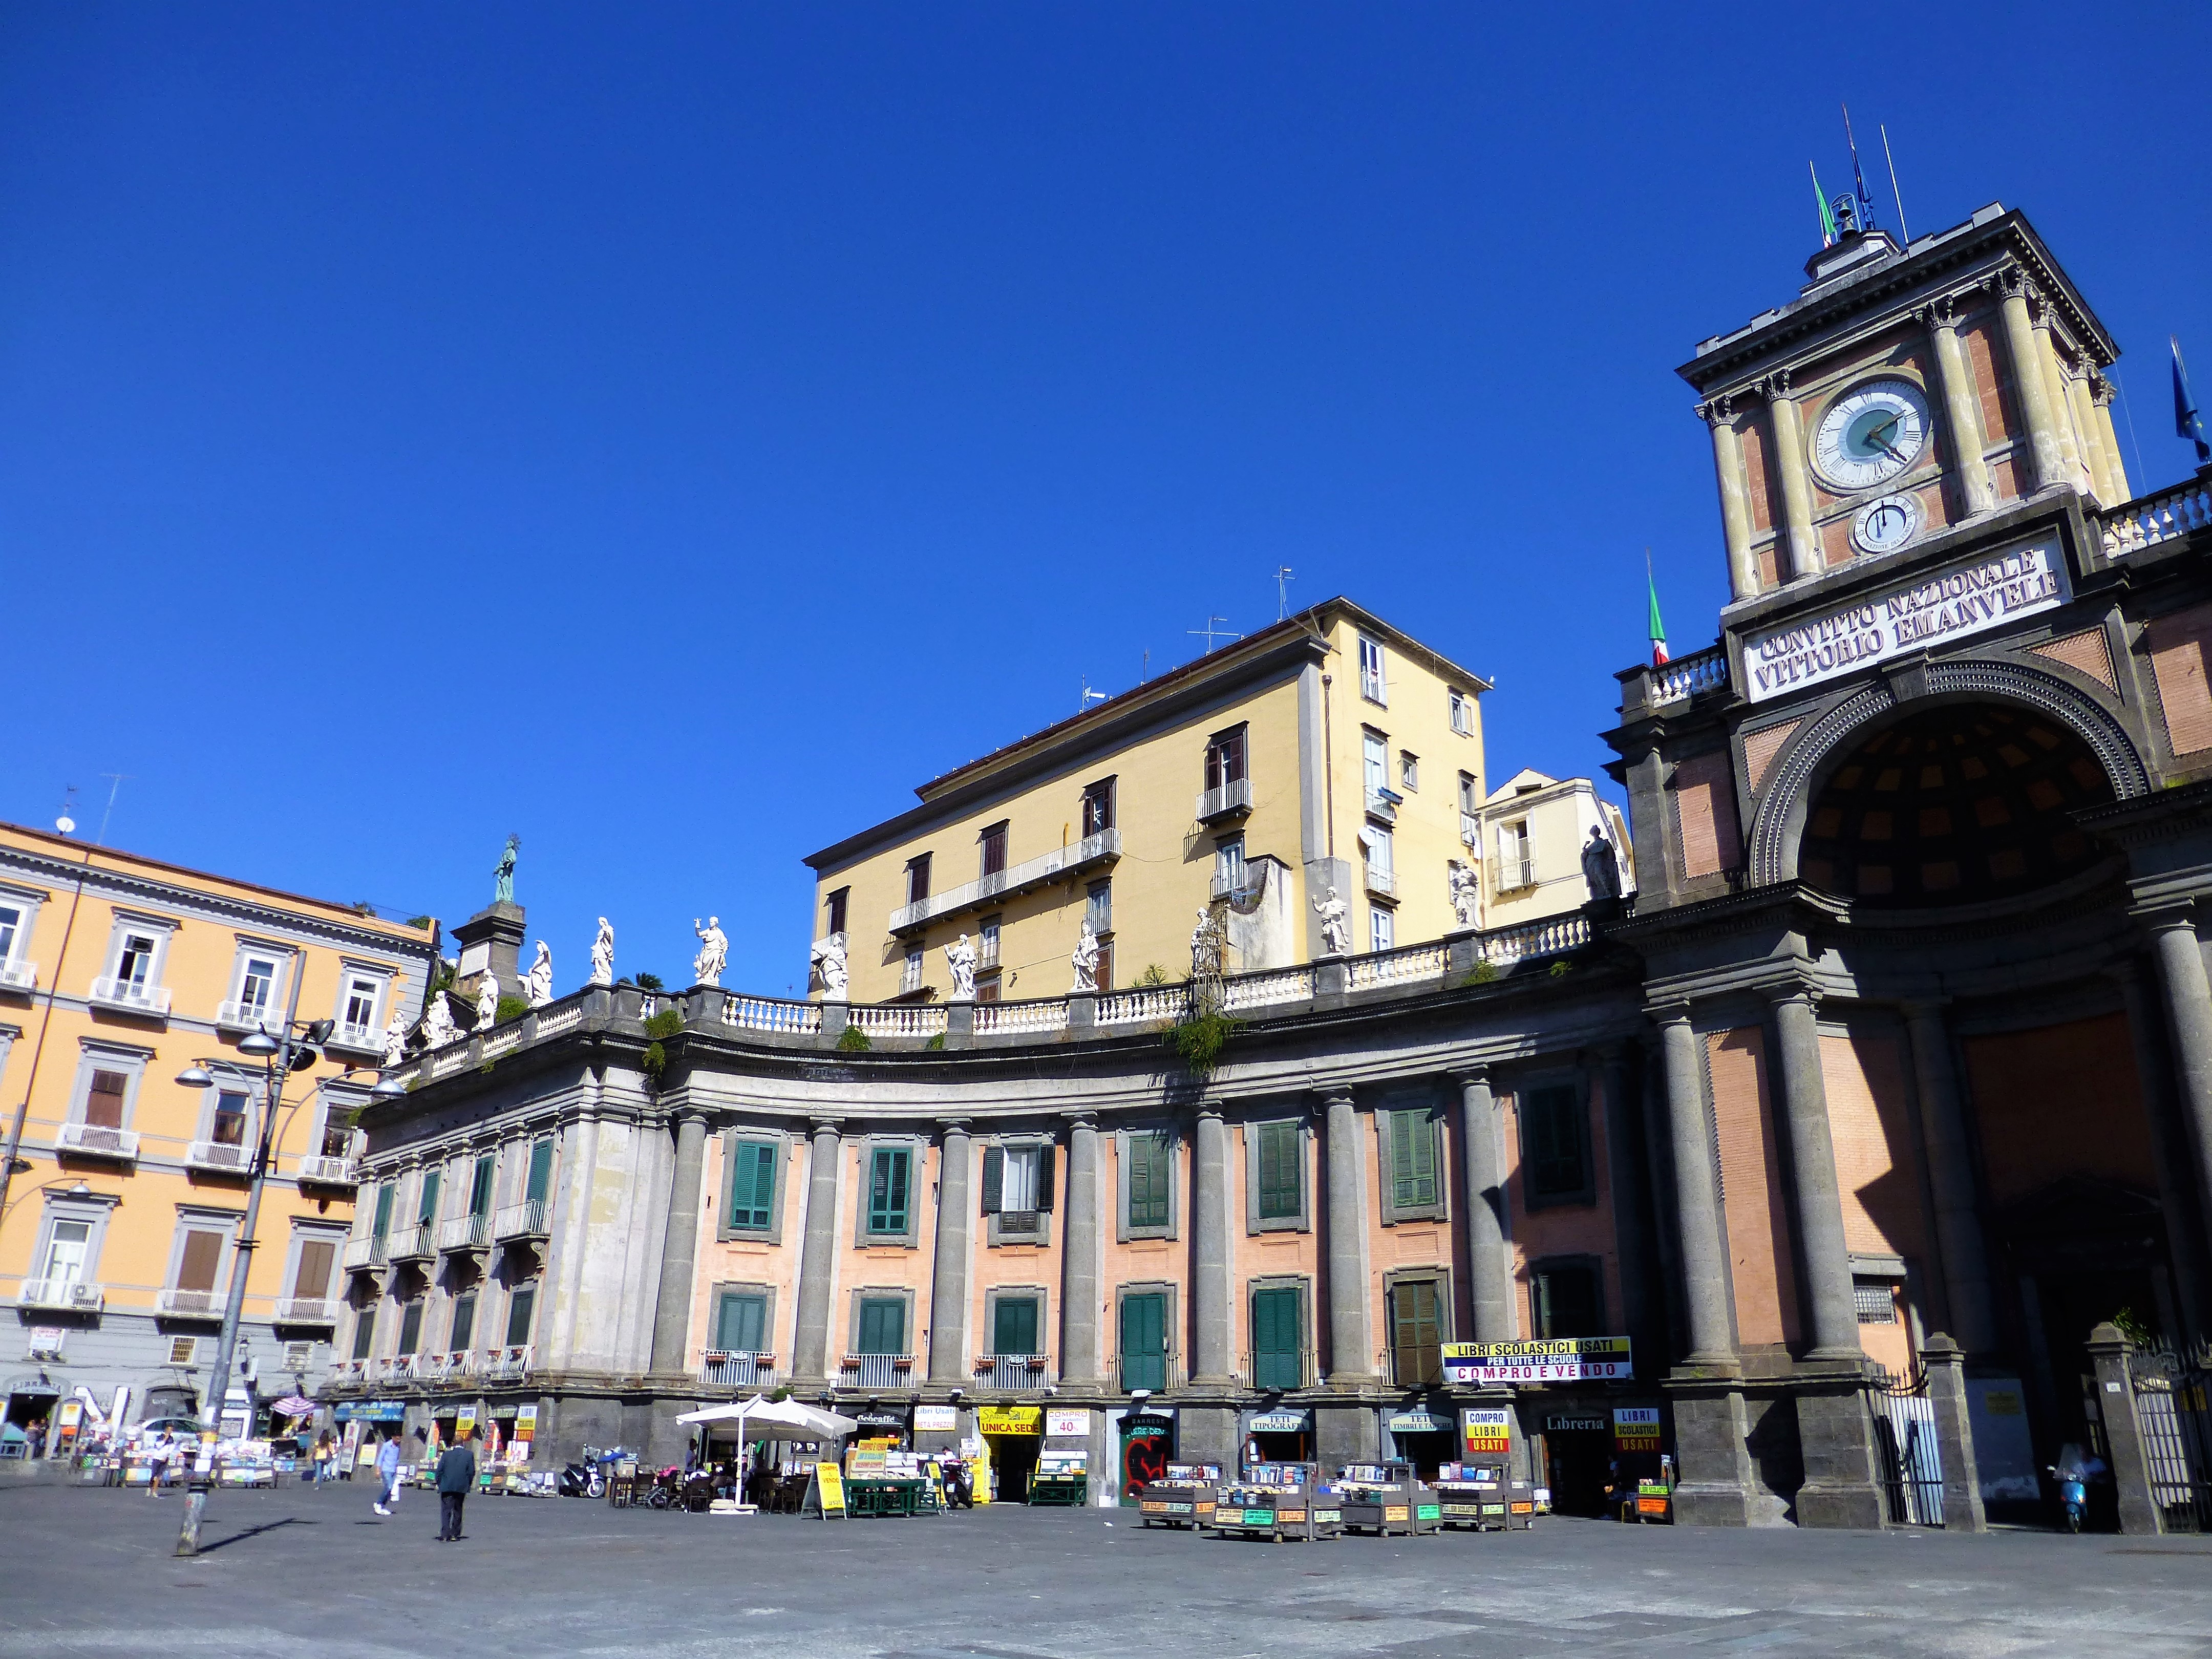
x=313 y=1575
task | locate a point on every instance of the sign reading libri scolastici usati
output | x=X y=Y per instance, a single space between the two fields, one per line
x=1915 y=615
x=1560 y=1360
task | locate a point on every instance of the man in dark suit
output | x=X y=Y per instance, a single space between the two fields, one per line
x=457 y=1472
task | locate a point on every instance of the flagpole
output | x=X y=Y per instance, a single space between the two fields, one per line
x=1894 y=194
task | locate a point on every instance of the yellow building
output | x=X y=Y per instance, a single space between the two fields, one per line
x=1533 y=829
x=116 y=972
x=1327 y=751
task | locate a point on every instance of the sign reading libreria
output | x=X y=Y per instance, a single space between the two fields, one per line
x=1563 y=1359
x=1912 y=616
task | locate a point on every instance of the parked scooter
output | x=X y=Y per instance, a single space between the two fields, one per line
x=588 y=1477
x=2072 y=1473
x=959 y=1485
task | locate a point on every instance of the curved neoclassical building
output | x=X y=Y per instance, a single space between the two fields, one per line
x=1899 y=1063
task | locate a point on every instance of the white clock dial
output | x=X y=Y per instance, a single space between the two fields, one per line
x=1870 y=434
x=1882 y=526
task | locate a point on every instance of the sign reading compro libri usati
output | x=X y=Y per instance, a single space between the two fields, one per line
x=1911 y=616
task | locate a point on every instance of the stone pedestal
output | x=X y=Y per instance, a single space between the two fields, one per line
x=2123 y=1440
x=1459 y=945
x=1331 y=978
x=1083 y=1011
x=492 y=938
x=1713 y=1480
x=1206 y=1434
x=1835 y=1436
x=1954 y=1435
x=836 y=1014
x=959 y=1024
x=1347 y=1434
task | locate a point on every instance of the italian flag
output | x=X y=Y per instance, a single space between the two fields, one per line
x=1658 y=628
x=1821 y=200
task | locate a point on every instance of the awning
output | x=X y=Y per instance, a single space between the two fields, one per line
x=293 y=1405
x=772 y=1419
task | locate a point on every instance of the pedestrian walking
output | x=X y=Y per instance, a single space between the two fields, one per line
x=323 y=1457
x=38 y=1437
x=457 y=1472
x=157 y=1460
x=388 y=1475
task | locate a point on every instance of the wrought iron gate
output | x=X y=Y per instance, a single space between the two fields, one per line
x=1910 y=1462
x=2173 y=1404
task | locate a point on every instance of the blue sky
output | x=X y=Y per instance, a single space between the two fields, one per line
x=674 y=433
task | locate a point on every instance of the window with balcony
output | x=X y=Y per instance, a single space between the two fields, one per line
x=1462 y=712
x=1379 y=846
x=193 y=1267
x=917 y=878
x=1098 y=808
x=1277 y=1172
x=1409 y=771
x=1555 y=1144
x=1228 y=782
x=66 y=1257
x=1227 y=865
x=991 y=844
x=1374 y=763
x=882 y=1325
x=521 y=1307
x=751 y=1206
x=253 y=991
x=1014 y=1321
x=1517 y=864
x=1145 y=1340
x=410 y=1326
x=481 y=1178
x=1417 y=1331
x=226 y=1121
x=910 y=973
x=741 y=1322
x=889 y=1177
x=361 y=1010
x=311 y=1268
x=135 y=956
x=462 y=1335
x=107 y=1097
x=1382 y=929
x=16 y=916
x=986 y=943
x=1373 y=685
x=539 y=1186
x=1565 y=1299
x=1470 y=813
x=1278 y=1351
x=1018 y=1191
x=384 y=1195
x=834 y=906
x=427 y=1209
x=336 y=1137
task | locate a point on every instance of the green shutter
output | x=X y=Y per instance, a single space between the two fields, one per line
x=541 y=1171
x=463 y=1334
x=520 y=1306
x=1014 y=1326
x=994 y=1179
x=1416 y=1332
x=883 y=1326
x=1044 y=1177
x=410 y=1326
x=752 y=1186
x=1145 y=1342
x=741 y=1323
x=1275 y=1339
x=887 y=1190
x=1280 y=1174
x=480 y=1187
x=364 y=1331
x=431 y=1178
x=1150 y=1167
x=1413 y=1160
x=383 y=1211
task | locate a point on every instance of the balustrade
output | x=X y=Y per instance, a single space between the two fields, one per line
x=2150 y=520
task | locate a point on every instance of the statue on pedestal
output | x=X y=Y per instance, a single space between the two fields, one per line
x=960 y=958
x=1466 y=892
x=486 y=1001
x=603 y=954
x=1335 y=931
x=828 y=959
x=1086 y=958
x=395 y=1041
x=438 y=1027
x=1601 y=865
x=713 y=951
x=1205 y=948
x=504 y=891
x=539 y=985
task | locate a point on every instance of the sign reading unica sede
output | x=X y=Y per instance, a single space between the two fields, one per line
x=1009 y=1420
x=1566 y=1359
x=1911 y=616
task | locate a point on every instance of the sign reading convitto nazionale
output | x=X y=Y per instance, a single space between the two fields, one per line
x=1911 y=616
x=1563 y=1359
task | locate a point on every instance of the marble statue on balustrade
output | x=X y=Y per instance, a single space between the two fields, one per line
x=438 y=1027
x=503 y=889
x=1466 y=892
x=960 y=958
x=1086 y=957
x=1335 y=930
x=1601 y=865
x=827 y=960
x=537 y=985
x=603 y=954
x=486 y=1001
x=1206 y=948
x=395 y=1041
x=713 y=952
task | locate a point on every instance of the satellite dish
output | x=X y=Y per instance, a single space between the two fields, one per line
x=64 y=823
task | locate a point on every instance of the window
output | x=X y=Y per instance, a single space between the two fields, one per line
x=541 y=1172
x=410 y=1325
x=104 y=1099
x=1098 y=808
x=364 y=1332
x=883 y=1325
x=199 y=1255
x=910 y=976
x=1227 y=864
x=311 y=1274
x=1225 y=760
x=1372 y=684
x=1375 y=751
x=257 y=988
x=1564 y=1300
x=986 y=990
x=134 y=962
x=1145 y=1340
x=835 y=919
x=480 y=1183
x=741 y=1322
x=987 y=942
x=427 y=1211
x=1014 y=1326
x=1098 y=905
x=1382 y=929
x=338 y=1129
x=993 y=843
x=917 y=878
x=12 y=931
x=752 y=1187
x=384 y=1198
x=520 y=1308
x=888 y=1172
x=1462 y=712
x=1017 y=1183
x=1409 y=771
x=1380 y=845
x=359 y=1017
x=1282 y=1171
x=1413 y=1159
x=1470 y=813
x=1416 y=1332
x=68 y=1247
x=1555 y=1151
x=1104 y=971
x=1150 y=1170
x=1276 y=1359
x=228 y=1127
x=463 y=1335
x=1875 y=1300
x=1515 y=868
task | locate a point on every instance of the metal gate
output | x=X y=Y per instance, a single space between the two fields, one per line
x=2173 y=1404
x=1910 y=1462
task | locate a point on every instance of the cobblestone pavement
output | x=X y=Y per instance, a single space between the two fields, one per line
x=313 y=1575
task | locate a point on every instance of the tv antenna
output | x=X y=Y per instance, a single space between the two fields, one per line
x=115 y=781
x=65 y=821
x=1085 y=697
x=1210 y=631
x=1283 y=580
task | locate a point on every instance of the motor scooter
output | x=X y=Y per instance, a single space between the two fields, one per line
x=959 y=1485
x=2073 y=1494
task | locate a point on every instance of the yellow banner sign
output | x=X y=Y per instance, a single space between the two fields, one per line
x=832 y=1484
x=1010 y=1419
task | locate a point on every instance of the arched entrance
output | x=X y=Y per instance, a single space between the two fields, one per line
x=1959 y=803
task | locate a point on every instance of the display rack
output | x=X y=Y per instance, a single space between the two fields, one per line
x=1277 y=1501
x=1388 y=1500
x=1184 y=1497
x=1483 y=1497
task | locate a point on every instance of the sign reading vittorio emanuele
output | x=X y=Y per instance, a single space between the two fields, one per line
x=1912 y=616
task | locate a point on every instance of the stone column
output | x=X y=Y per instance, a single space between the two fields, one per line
x=1736 y=508
x=1078 y=1257
x=2062 y=410
x=2101 y=394
x=1351 y=1348
x=2082 y=406
x=1968 y=1299
x=1954 y=1435
x=2124 y=1439
x=948 y=1280
x=1791 y=467
x=2169 y=1141
x=2189 y=1010
x=1961 y=411
x=1697 y=1197
x=1212 y=1353
x=2030 y=383
x=1635 y=1239
x=1826 y=1258
x=1490 y=1279
x=672 y=1309
x=818 y=1258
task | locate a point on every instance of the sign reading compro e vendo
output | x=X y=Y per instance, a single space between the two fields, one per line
x=1563 y=1359
x=1910 y=615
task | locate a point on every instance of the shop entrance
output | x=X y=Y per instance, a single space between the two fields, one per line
x=1147 y=1448
x=1278 y=1436
x=1578 y=1456
x=1013 y=1461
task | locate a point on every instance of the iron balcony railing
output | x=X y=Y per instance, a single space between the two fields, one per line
x=307 y=1310
x=246 y=1016
x=189 y=1304
x=220 y=1155
x=1059 y=864
x=876 y=1370
x=327 y=1172
x=114 y=992
x=1014 y=1370
x=465 y=1232
x=1280 y=1372
x=722 y=1368
x=1224 y=800
x=97 y=1141
x=19 y=975
x=416 y=1243
x=1154 y=1372
x=362 y=1253
x=73 y=1294
x=525 y=1220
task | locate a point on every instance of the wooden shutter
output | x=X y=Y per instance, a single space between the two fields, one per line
x=1148 y=1179
x=104 y=1105
x=312 y=1280
x=384 y=1209
x=1275 y=1339
x=203 y=1253
x=1416 y=1332
x=883 y=1326
x=741 y=1323
x=1145 y=1341
x=994 y=1179
x=752 y=1185
x=1014 y=1326
x=1044 y=1163
x=541 y=1171
x=520 y=1306
x=364 y=1332
x=1278 y=1171
x=480 y=1187
x=410 y=1326
x=887 y=1190
x=1413 y=1160
x=432 y=1179
x=463 y=1336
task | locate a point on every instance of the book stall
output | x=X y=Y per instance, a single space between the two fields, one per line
x=1277 y=1501
x=1184 y=1498
x=1387 y=1500
x=1063 y=1468
x=1479 y=1493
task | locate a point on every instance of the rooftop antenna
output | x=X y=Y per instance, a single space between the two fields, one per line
x=1283 y=580
x=1087 y=696
x=114 y=787
x=1893 y=194
x=1209 y=631
x=1858 y=178
x=1146 y=672
x=66 y=821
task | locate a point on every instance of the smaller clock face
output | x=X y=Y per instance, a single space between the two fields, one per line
x=1888 y=523
x=1870 y=434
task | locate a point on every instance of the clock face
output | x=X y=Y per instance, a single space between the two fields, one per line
x=1870 y=434
x=1888 y=523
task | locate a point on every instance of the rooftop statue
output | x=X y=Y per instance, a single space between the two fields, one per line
x=1601 y=865
x=1086 y=958
x=486 y=1001
x=603 y=954
x=1466 y=892
x=960 y=958
x=828 y=959
x=1336 y=932
x=539 y=985
x=713 y=951
x=503 y=892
